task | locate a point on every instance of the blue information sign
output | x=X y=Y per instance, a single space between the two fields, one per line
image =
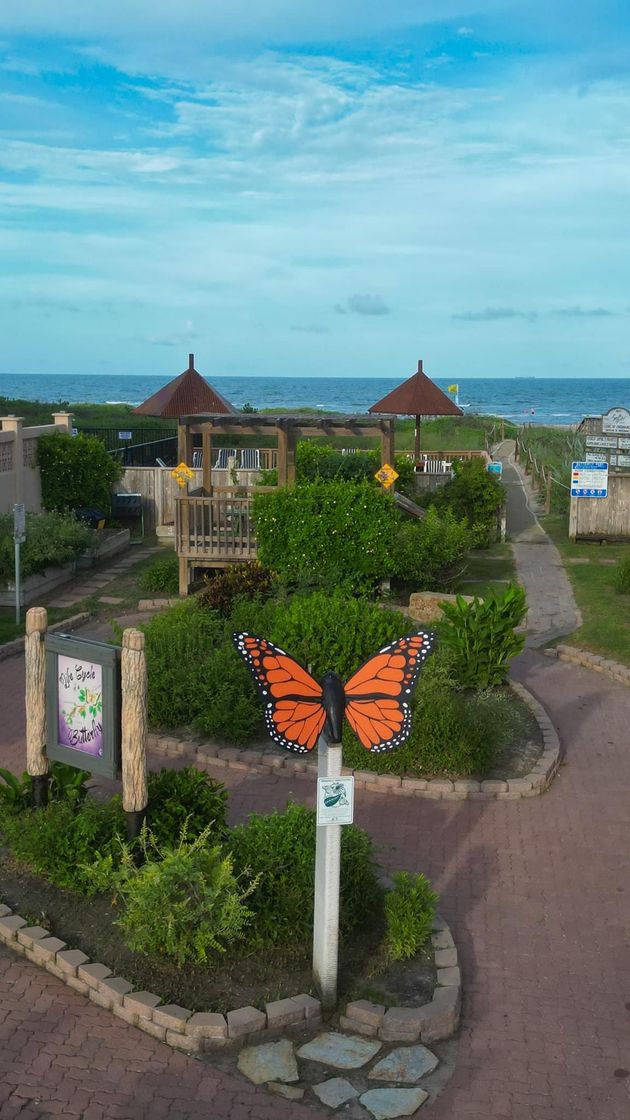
x=589 y=480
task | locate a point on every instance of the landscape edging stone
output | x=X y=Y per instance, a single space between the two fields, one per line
x=205 y=1031
x=436 y=789
x=585 y=658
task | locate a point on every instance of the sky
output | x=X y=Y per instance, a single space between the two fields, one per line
x=315 y=187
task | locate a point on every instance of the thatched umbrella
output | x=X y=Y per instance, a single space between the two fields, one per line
x=417 y=396
x=186 y=395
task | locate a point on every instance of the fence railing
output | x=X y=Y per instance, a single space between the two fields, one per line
x=543 y=478
x=217 y=528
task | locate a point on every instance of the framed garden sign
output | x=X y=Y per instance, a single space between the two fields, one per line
x=83 y=703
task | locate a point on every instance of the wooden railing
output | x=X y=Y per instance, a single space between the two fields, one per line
x=217 y=528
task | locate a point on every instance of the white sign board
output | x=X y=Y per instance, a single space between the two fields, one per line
x=125 y=435
x=335 y=801
x=616 y=421
x=602 y=441
x=19 y=522
x=589 y=480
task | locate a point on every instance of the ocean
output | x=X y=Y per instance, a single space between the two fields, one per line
x=524 y=400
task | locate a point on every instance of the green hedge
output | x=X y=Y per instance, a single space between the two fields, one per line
x=76 y=472
x=430 y=553
x=327 y=534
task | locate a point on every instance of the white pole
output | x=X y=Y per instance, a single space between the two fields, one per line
x=18 y=589
x=327 y=864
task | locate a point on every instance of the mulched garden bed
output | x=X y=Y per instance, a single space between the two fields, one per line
x=240 y=979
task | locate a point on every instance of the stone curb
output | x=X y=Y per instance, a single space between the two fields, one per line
x=589 y=660
x=434 y=1021
x=9 y=649
x=177 y=1026
x=207 y=756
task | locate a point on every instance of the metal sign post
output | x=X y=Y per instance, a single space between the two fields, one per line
x=19 y=536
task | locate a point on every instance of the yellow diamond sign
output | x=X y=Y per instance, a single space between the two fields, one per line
x=182 y=474
x=386 y=476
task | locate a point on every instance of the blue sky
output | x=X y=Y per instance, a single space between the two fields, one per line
x=329 y=187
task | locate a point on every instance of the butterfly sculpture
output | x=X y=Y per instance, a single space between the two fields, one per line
x=375 y=701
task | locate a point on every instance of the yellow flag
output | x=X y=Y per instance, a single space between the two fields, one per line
x=453 y=389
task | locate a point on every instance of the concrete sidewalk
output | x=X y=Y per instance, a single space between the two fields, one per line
x=552 y=610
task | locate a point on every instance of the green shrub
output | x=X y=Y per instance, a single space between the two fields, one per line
x=279 y=851
x=162 y=577
x=196 y=678
x=248 y=580
x=475 y=494
x=481 y=636
x=184 y=904
x=61 y=840
x=409 y=914
x=15 y=793
x=429 y=553
x=330 y=631
x=52 y=539
x=185 y=798
x=327 y=534
x=67 y=783
x=76 y=471
x=452 y=734
x=622 y=576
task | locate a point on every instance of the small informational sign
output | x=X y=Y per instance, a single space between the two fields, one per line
x=495 y=468
x=386 y=475
x=616 y=421
x=589 y=480
x=125 y=435
x=601 y=441
x=82 y=703
x=75 y=432
x=19 y=522
x=335 y=801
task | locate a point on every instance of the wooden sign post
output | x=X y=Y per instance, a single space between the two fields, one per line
x=35 y=664
x=133 y=682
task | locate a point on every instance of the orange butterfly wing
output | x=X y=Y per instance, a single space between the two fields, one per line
x=294 y=713
x=378 y=695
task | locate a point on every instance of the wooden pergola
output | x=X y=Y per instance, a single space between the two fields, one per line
x=213 y=528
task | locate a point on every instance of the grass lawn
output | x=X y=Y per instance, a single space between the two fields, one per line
x=488 y=570
x=605 y=611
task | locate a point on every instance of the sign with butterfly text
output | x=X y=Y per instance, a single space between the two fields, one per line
x=83 y=703
x=376 y=700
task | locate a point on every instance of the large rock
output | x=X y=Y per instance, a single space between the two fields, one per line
x=424 y=606
x=335 y=1092
x=406 y=1064
x=341 y=1051
x=273 y=1061
x=387 y=1104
